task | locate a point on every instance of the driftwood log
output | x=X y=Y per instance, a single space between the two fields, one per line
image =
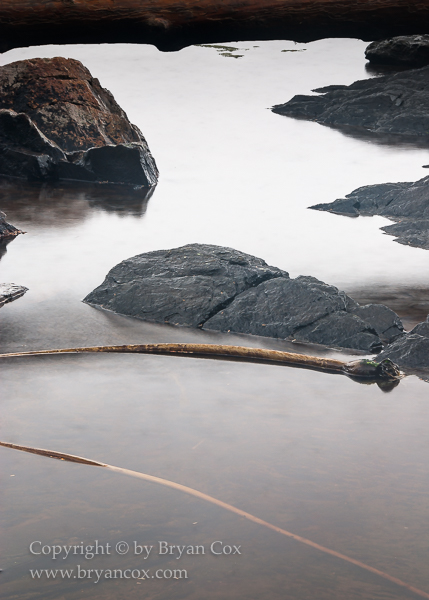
x=174 y=24
x=384 y=371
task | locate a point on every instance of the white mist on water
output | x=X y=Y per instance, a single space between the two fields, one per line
x=232 y=172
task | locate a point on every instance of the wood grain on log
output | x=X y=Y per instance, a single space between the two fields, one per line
x=173 y=24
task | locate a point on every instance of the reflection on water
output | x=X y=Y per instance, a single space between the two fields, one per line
x=339 y=463
x=411 y=304
x=66 y=203
x=381 y=70
x=4 y=245
x=235 y=174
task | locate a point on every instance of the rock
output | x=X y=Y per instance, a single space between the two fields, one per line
x=343 y=330
x=406 y=50
x=410 y=233
x=10 y=292
x=57 y=122
x=184 y=286
x=411 y=351
x=223 y=289
x=277 y=308
x=381 y=319
x=405 y=203
x=6 y=229
x=391 y=105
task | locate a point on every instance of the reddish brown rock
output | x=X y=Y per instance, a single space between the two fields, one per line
x=66 y=103
x=53 y=112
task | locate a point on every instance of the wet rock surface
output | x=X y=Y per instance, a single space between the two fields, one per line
x=57 y=122
x=183 y=286
x=405 y=50
x=222 y=289
x=395 y=105
x=10 y=292
x=411 y=351
x=406 y=203
x=7 y=230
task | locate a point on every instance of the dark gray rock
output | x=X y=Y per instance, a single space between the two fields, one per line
x=57 y=122
x=410 y=233
x=411 y=351
x=395 y=104
x=405 y=50
x=279 y=307
x=421 y=329
x=225 y=290
x=382 y=320
x=7 y=230
x=10 y=292
x=405 y=203
x=183 y=286
x=343 y=330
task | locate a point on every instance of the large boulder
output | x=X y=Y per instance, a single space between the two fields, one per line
x=394 y=104
x=406 y=203
x=402 y=51
x=222 y=289
x=183 y=286
x=57 y=122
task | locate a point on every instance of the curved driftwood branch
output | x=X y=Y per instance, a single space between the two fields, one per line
x=173 y=24
x=192 y=492
x=358 y=369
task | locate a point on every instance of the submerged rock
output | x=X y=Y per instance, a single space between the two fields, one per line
x=10 y=292
x=226 y=290
x=405 y=50
x=405 y=203
x=394 y=104
x=57 y=122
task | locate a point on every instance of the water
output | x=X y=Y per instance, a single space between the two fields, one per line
x=340 y=463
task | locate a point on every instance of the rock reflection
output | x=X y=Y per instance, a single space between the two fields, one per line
x=63 y=203
x=385 y=386
x=3 y=246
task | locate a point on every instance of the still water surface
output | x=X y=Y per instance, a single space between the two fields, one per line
x=340 y=463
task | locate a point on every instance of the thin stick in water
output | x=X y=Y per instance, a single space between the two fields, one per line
x=229 y=507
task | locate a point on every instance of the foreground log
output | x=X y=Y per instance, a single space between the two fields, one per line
x=173 y=24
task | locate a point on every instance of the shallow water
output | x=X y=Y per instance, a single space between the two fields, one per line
x=340 y=463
